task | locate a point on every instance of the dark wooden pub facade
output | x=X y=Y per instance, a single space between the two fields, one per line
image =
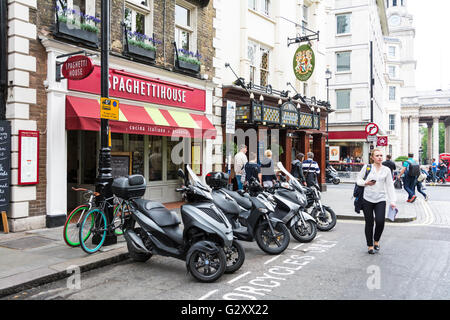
x=302 y=127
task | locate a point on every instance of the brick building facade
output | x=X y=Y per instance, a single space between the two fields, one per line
x=37 y=101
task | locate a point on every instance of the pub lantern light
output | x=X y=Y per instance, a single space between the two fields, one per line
x=280 y=101
x=261 y=98
x=298 y=106
x=252 y=96
x=318 y=110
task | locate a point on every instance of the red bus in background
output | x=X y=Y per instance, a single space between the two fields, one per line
x=445 y=157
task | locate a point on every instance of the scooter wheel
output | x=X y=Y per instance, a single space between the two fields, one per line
x=206 y=267
x=235 y=257
x=336 y=181
x=327 y=222
x=306 y=233
x=270 y=244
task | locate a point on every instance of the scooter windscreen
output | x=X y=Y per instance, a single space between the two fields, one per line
x=292 y=179
x=196 y=182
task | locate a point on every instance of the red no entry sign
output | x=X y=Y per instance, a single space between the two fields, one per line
x=371 y=129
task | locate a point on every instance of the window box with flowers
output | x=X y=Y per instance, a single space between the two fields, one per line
x=77 y=25
x=188 y=60
x=140 y=45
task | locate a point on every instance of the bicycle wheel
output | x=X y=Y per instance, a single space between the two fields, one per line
x=93 y=231
x=72 y=225
x=117 y=220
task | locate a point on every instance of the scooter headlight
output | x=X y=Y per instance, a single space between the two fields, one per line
x=263 y=210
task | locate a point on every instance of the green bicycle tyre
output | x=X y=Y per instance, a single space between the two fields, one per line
x=71 y=226
x=93 y=229
x=117 y=217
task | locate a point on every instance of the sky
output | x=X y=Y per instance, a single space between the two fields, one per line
x=432 y=43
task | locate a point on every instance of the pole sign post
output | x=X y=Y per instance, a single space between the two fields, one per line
x=77 y=67
x=109 y=109
x=372 y=129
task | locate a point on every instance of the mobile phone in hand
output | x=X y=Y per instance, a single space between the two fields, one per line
x=373 y=181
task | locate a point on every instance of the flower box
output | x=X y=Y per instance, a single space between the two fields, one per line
x=188 y=66
x=76 y=32
x=141 y=52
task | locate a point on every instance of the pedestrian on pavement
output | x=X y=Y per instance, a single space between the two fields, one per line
x=410 y=173
x=311 y=170
x=240 y=159
x=378 y=187
x=268 y=170
x=434 y=166
x=390 y=164
x=419 y=184
x=442 y=171
x=297 y=168
x=252 y=170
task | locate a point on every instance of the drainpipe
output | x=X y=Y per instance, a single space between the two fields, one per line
x=3 y=58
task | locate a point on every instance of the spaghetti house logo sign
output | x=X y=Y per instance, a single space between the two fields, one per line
x=304 y=62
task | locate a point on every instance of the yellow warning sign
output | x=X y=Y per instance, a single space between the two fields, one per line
x=109 y=109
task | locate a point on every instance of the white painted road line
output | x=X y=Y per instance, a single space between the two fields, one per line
x=208 y=294
x=273 y=259
x=239 y=277
x=298 y=246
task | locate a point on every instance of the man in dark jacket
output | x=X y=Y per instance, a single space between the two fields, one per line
x=390 y=164
x=297 y=168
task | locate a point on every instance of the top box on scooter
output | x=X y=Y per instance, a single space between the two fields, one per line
x=129 y=187
x=217 y=180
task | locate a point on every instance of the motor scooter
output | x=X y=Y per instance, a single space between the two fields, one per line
x=153 y=229
x=250 y=214
x=331 y=175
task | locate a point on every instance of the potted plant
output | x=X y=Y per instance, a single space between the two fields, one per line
x=187 y=60
x=141 y=45
x=77 y=24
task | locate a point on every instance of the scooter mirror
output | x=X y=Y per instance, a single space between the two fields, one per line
x=180 y=173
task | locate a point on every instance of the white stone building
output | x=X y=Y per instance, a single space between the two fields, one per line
x=355 y=26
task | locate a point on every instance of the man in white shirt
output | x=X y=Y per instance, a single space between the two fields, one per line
x=240 y=159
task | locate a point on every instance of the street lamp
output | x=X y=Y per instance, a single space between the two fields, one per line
x=328 y=75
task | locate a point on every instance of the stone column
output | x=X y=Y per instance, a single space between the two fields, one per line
x=405 y=136
x=430 y=142
x=447 y=135
x=436 y=137
x=414 y=136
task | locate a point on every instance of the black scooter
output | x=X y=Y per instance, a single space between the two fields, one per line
x=250 y=214
x=200 y=243
x=331 y=175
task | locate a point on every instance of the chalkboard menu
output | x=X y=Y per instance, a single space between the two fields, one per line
x=5 y=164
x=120 y=164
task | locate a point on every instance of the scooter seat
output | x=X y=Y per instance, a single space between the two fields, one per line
x=157 y=212
x=244 y=202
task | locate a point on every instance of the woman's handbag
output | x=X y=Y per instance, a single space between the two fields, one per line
x=358 y=192
x=398 y=184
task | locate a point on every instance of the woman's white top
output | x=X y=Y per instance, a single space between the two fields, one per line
x=384 y=184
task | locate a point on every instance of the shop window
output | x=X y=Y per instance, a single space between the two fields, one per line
x=172 y=168
x=343 y=61
x=117 y=142
x=343 y=23
x=264 y=67
x=185 y=27
x=136 y=147
x=72 y=159
x=155 y=149
x=343 y=99
x=89 y=151
x=392 y=72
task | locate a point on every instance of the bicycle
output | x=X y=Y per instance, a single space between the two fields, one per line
x=72 y=224
x=94 y=227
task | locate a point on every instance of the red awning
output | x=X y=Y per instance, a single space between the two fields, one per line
x=347 y=135
x=84 y=114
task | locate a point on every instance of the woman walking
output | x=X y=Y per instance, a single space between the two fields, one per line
x=267 y=169
x=378 y=186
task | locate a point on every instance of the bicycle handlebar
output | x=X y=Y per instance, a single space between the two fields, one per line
x=86 y=190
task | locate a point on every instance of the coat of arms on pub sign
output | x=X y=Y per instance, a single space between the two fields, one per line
x=304 y=62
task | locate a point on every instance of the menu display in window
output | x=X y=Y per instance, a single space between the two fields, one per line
x=28 y=157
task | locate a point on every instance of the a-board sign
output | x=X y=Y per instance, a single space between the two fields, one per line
x=77 y=67
x=28 y=157
x=5 y=164
x=109 y=109
x=121 y=164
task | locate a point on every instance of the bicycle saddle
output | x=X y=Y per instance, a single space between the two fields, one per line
x=157 y=212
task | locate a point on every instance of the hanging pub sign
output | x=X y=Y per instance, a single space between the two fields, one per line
x=304 y=62
x=77 y=67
